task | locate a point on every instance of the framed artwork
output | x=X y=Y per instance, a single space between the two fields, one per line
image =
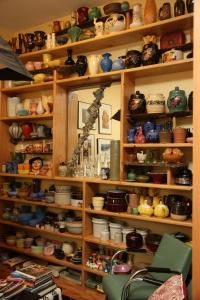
x=103 y=147
x=105 y=121
x=83 y=114
x=89 y=148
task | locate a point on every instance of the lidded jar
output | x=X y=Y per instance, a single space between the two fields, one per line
x=177 y=100
x=134 y=240
x=137 y=103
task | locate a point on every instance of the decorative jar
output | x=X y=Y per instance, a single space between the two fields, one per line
x=177 y=100
x=106 y=62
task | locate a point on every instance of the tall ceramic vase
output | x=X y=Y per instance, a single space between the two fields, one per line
x=150 y=12
x=93 y=64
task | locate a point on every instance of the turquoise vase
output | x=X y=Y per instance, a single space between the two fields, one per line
x=177 y=100
x=74 y=33
x=94 y=13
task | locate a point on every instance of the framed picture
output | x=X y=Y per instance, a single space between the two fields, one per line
x=89 y=148
x=103 y=147
x=83 y=114
x=105 y=121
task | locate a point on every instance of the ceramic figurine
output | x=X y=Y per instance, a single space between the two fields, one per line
x=106 y=62
x=137 y=103
x=94 y=13
x=99 y=27
x=46 y=100
x=137 y=16
x=141 y=156
x=150 y=12
x=150 y=52
x=118 y=64
x=179 y=8
x=177 y=100
x=165 y=11
x=139 y=136
x=81 y=65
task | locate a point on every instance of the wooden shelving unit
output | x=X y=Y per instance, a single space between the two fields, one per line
x=59 y=89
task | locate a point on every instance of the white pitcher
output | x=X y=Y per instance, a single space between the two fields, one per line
x=93 y=64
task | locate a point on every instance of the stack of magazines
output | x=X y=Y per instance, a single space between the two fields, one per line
x=38 y=279
x=11 y=287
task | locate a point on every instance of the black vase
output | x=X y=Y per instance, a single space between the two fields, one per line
x=179 y=8
x=69 y=61
x=150 y=54
x=133 y=59
x=81 y=65
x=190 y=5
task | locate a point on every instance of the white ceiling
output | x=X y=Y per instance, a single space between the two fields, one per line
x=16 y=15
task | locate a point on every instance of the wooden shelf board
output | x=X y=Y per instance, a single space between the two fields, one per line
x=90 y=79
x=162 y=68
x=28 y=88
x=37 y=203
x=118 y=38
x=94 y=271
x=49 y=258
x=159 y=186
x=25 y=176
x=159 y=145
x=157 y=164
x=72 y=179
x=26 y=118
x=78 y=292
x=110 y=244
x=181 y=114
x=38 y=230
x=88 y=179
x=169 y=221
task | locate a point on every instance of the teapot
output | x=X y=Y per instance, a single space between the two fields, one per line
x=145 y=209
x=115 y=23
x=161 y=210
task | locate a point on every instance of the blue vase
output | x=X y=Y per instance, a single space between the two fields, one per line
x=106 y=62
x=148 y=126
x=131 y=135
x=152 y=136
x=118 y=64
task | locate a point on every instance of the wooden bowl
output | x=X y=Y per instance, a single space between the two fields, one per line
x=114 y=7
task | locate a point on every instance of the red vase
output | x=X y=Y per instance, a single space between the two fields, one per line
x=82 y=15
x=26 y=130
x=139 y=136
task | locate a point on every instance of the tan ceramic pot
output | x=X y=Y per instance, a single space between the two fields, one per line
x=179 y=135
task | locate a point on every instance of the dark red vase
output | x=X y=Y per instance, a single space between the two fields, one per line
x=26 y=130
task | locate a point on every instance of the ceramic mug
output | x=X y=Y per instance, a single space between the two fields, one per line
x=98 y=203
x=104 y=236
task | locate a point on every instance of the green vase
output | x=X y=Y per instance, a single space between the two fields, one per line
x=177 y=100
x=94 y=13
x=74 y=33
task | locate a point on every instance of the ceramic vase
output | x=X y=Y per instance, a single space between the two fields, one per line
x=69 y=61
x=137 y=16
x=115 y=160
x=82 y=15
x=94 y=13
x=118 y=64
x=15 y=130
x=93 y=64
x=81 y=65
x=150 y=12
x=179 y=8
x=125 y=6
x=106 y=62
x=26 y=130
x=165 y=11
x=11 y=105
x=139 y=136
x=177 y=100
x=40 y=108
x=190 y=5
x=74 y=33
x=150 y=54
x=133 y=59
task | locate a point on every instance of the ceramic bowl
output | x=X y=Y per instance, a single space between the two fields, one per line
x=142 y=178
x=74 y=227
x=12 y=193
x=37 y=249
x=76 y=202
x=122 y=268
x=158 y=177
x=110 y=8
x=61 y=40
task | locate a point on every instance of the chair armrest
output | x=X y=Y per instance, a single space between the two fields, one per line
x=161 y=270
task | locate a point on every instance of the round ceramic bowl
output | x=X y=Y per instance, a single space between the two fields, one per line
x=74 y=227
x=76 y=202
x=37 y=249
x=142 y=178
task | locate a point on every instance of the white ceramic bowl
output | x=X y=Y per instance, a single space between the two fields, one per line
x=62 y=198
x=74 y=227
x=76 y=202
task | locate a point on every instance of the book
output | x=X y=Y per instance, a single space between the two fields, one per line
x=12 y=262
x=42 y=287
x=33 y=272
x=47 y=290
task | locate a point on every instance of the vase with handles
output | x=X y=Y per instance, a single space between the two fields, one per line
x=93 y=64
x=150 y=12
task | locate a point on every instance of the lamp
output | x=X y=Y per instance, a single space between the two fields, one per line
x=11 y=68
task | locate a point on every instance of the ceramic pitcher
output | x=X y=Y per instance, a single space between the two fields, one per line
x=93 y=64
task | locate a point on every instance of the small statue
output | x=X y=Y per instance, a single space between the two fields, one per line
x=47 y=102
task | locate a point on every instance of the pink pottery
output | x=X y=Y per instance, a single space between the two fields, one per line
x=139 y=136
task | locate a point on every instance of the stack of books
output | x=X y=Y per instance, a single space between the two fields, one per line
x=11 y=287
x=38 y=279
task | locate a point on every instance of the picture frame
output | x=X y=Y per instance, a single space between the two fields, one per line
x=89 y=147
x=103 y=147
x=83 y=114
x=105 y=119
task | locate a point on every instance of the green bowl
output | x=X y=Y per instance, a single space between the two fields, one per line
x=142 y=178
